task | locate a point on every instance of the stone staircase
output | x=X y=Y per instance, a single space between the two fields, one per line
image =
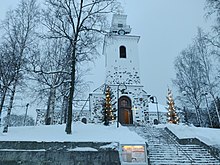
x=164 y=150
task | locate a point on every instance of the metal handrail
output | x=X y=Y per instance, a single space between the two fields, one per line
x=174 y=142
x=178 y=146
x=159 y=140
x=169 y=141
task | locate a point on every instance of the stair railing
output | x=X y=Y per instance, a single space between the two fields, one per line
x=178 y=147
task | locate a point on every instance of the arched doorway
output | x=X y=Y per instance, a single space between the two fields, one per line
x=156 y=122
x=125 y=115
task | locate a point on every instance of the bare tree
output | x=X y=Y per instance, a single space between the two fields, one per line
x=19 y=27
x=203 y=78
x=190 y=78
x=7 y=73
x=81 y=88
x=199 y=78
x=50 y=71
x=210 y=77
x=80 y=22
x=213 y=8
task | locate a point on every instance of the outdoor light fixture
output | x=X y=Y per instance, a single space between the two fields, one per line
x=153 y=99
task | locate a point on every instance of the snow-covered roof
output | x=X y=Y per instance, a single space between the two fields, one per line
x=81 y=133
x=153 y=108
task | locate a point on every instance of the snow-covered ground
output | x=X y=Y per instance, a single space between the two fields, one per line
x=100 y=133
x=210 y=136
x=81 y=133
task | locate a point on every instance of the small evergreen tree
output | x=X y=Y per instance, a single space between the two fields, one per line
x=213 y=114
x=108 y=111
x=171 y=115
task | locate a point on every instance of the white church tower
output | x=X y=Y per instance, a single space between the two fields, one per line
x=121 y=53
x=122 y=76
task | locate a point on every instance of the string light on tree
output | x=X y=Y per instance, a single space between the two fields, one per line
x=172 y=115
x=108 y=111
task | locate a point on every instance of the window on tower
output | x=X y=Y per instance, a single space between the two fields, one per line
x=122 y=50
x=120 y=25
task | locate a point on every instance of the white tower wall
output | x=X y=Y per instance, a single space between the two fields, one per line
x=121 y=70
x=122 y=76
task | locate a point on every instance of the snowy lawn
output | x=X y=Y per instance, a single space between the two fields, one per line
x=209 y=136
x=81 y=133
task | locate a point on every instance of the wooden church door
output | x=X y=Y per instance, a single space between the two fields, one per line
x=125 y=112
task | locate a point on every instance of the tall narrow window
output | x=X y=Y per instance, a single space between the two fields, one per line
x=122 y=51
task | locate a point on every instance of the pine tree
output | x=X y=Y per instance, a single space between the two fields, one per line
x=172 y=115
x=108 y=111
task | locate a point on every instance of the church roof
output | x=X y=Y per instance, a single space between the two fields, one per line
x=153 y=108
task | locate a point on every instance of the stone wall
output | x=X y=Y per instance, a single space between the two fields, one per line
x=139 y=102
x=56 y=153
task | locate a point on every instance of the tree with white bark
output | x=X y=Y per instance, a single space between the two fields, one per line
x=190 y=79
x=209 y=67
x=19 y=31
x=196 y=76
x=7 y=73
x=48 y=69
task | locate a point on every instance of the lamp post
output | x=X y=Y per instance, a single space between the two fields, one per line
x=26 y=113
x=152 y=101
x=122 y=90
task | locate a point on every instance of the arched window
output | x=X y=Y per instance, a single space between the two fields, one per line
x=122 y=50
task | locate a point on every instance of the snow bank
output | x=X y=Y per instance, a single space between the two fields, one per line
x=82 y=149
x=209 y=136
x=40 y=150
x=81 y=133
x=112 y=145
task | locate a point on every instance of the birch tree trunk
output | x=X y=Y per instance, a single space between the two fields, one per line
x=64 y=109
x=49 y=118
x=5 y=130
x=2 y=103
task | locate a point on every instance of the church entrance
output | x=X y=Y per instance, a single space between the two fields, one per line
x=125 y=112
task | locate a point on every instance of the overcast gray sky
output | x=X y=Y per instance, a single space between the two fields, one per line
x=165 y=26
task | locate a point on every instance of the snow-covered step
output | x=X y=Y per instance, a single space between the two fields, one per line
x=165 y=150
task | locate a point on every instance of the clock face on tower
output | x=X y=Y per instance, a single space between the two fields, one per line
x=121 y=32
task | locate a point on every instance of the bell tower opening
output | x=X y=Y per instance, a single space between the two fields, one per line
x=125 y=112
x=122 y=50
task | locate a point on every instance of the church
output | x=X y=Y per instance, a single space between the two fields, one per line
x=132 y=103
x=122 y=76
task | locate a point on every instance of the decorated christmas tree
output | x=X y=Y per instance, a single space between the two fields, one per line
x=108 y=111
x=172 y=115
